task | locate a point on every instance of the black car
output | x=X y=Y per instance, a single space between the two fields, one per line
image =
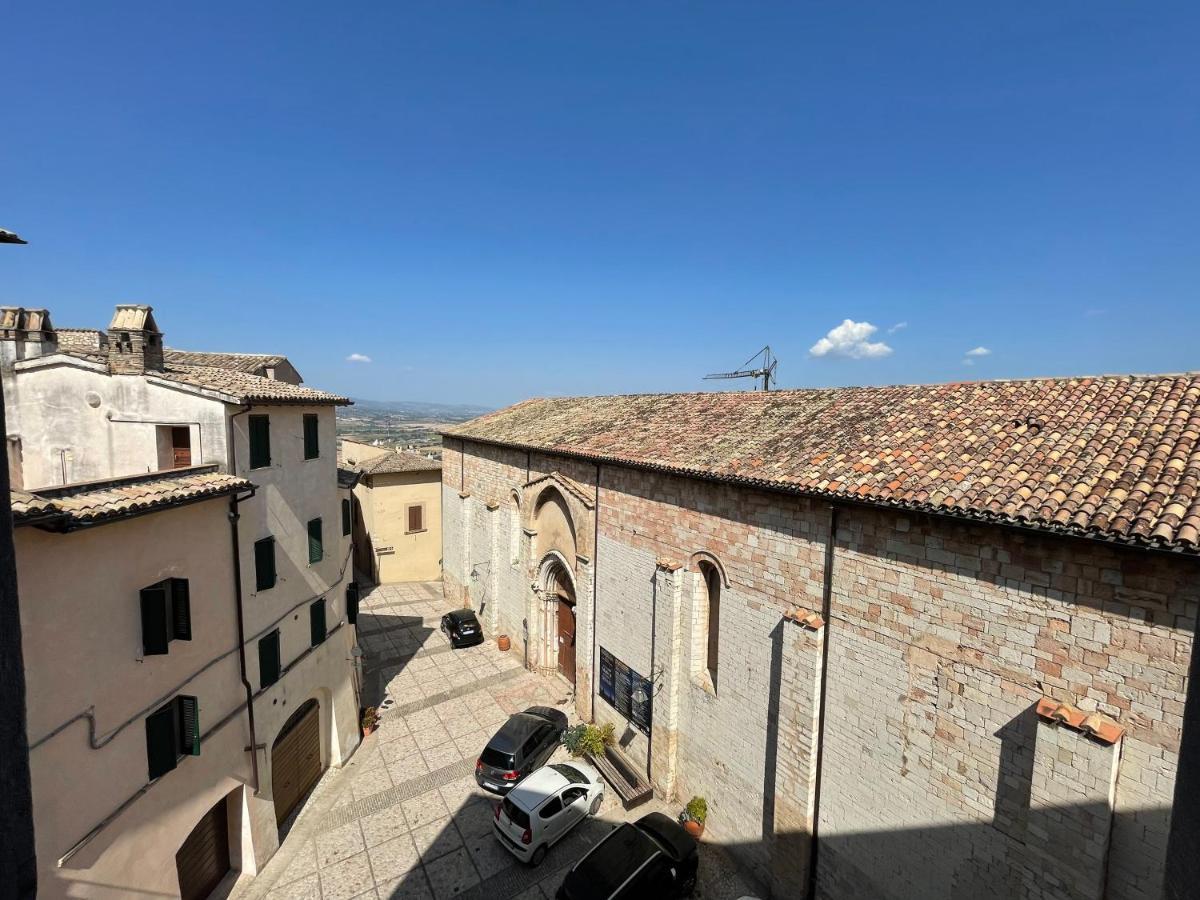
x=652 y=857
x=522 y=744
x=462 y=628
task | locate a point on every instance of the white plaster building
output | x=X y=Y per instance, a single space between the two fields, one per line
x=110 y=428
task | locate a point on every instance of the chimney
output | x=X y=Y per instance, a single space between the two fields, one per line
x=25 y=334
x=135 y=345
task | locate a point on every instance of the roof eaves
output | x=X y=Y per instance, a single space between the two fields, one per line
x=959 y=514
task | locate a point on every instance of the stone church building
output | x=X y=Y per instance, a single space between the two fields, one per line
x=907 y=641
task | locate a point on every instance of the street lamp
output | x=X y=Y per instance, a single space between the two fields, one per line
x=9 y=237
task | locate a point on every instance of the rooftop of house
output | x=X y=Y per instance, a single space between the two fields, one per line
x=398 y=461
x=70 y=506
x=240 y=387
x=251 y=363
x=1115 y=456
x=236 y=377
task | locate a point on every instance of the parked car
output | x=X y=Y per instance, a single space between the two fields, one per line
x=462 y=628
x=545 y=806
x=652 y=857
x=522 y=744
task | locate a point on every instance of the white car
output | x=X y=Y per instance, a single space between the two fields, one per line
x=544 y=806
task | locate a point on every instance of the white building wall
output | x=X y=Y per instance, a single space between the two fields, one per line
x=78 y=423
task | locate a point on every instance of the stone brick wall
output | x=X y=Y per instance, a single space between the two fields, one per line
x=937 y=779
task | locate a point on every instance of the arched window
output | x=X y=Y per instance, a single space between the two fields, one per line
x=514 y=539
x=707 y=640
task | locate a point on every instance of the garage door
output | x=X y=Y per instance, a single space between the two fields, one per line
x=296 y=759
x=203 y=859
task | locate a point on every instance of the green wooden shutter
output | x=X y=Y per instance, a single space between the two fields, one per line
x=352 y=602
x=345 y=517
x=268 y=659
x=189 y=725
x=264 y=564
x=161 y=748
x=316 y=620
x=154 y=620
x=260 y=441
x=181 y=610
x=312 y=447
x=316 y=547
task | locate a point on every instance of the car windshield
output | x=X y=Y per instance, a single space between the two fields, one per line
x=570 y=773
x=496 y=759
x=608 y=866
x=515 y=814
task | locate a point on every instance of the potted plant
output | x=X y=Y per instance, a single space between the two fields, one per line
x=585 y=739
x=503 y=642
x=370 y=720
x=693 y=816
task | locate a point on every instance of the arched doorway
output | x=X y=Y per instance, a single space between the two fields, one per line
x=296 y=760
x=558 y=590
x=203 y=860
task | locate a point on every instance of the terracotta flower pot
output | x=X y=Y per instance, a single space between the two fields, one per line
x=370 y=729
x=503 y=642
x=694 y=828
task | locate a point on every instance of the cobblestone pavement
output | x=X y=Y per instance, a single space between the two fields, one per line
x=404 y=819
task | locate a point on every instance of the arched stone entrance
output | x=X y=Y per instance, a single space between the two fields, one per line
x=554 y=599
x=296 y=760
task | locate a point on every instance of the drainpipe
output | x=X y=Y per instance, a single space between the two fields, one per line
x=826 y=608
x=234 y=515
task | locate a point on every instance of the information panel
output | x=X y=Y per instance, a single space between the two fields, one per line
x=626 y=691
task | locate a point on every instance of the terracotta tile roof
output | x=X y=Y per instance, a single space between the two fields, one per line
x=27 y=506
x=241 y=387
x=1110 y=456
x=398 y=461
x=94 y=502
x=252 y=363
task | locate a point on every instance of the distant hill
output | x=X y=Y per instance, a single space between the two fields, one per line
x=414 y=409
x=402 y=423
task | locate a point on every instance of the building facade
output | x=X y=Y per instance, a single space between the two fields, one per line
x=905 y=641
x=398 y=503
x=214 y=482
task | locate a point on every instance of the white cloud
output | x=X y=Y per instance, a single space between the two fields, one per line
x=358 y=358
x=851 y=340
x=899 y=326
x=979 y=351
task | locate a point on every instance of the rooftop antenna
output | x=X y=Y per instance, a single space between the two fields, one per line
x=765 y=370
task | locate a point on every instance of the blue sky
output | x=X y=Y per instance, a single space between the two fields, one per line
x=499 y=200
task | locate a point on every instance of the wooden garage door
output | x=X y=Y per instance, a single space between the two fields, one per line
x=203 y=859
x=296 y=759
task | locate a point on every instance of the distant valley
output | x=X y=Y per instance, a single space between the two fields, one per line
x=402 y=423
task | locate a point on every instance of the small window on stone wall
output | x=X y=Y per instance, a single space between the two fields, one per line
x=706 y=630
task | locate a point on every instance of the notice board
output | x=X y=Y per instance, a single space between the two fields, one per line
x=619 y=687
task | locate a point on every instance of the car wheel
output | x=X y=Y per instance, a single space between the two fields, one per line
x=596 y=804
x=538 y=855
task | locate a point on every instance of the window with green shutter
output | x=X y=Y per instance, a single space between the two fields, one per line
x=166 y=615
x=155 y=634
x=260 y=441
x=172 y=732
x=352 y=602
x=345 y=517
x=264 y=564
x=316 y=545
x=316 y=620
x=312 y=447
x=268 y=659
x=189 y=725
x=161 y=748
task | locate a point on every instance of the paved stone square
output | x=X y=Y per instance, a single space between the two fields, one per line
x=404 y=819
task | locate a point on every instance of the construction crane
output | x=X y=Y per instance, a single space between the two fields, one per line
x=765 y=371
